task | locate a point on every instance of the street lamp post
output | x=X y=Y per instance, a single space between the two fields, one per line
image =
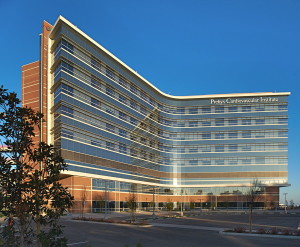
x=105 y=197
x=181 y=208
x=285 y=202
x=153 y=203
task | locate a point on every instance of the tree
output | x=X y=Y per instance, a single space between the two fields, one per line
x=83 y=201
x=169 y=206
x=31 y=196
x=132 y=205
x=252 y=195
x=101 y=202
x=192 y=204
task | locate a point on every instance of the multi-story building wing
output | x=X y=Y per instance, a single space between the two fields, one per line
x=119 y=133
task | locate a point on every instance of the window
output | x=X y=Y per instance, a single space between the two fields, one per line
x=180 y=111
x=232 y=121
x=109 y=110
x=167 y=122
x=144 y=96
x=96 y=143
x=110 y=128
x=232 y=162
x=109 y=73
x=144 y=111
x=133 y=89
x=133 y=121
x=109 y=91
x=259 y=108
x=282 y=108
x=206 y=136
x=260 y=160
x=219 y=135
x=193 y=149
x=259 y=121
x=246 y=148
x=282 y=120
x=193 y=124
x=259 y=134
x=67 y=89
x=282 y=134
x=246 y=161
x=206 y=123
x=123 y=82
x=67 y=133
x=122 y=148
x=143 y=154
x=110 y=146
x=193 y=111
x=123 y=133
x=246 y=134
x=68 y=46
x=232 y=135
x=246 y=108
x=232 y=109
x=219 y=148
x=233 y=147
x=246 y=121
x=133 y=105
x=133 y=152
x=220 y=122
x=206 y=162
x=122 y=116
x=282 y=146
x=95 y=64
x=219 y=109
x=122 y=99
x=206 y=110
x=67 y=111
x=95 y=103
x=260 y=147
x=180 y=124
x=220 y=162
x=205 y=149
x=67 y=68
x=95 y=83
x=193 y=162
x=151 y=101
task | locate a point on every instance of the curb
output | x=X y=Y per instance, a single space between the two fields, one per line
x=108 y=223
x=258 y=235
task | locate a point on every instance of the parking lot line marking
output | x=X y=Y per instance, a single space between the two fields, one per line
x=85 y=242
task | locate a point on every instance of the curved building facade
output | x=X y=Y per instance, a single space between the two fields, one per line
x=119 y=134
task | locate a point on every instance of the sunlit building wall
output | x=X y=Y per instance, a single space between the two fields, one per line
x=119 y=134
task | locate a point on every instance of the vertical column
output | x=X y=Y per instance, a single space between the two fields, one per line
x=44 y=41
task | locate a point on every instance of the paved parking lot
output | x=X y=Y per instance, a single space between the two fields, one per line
x=103 y=234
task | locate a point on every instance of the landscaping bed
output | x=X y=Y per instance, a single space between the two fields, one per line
x=263 y=231
x=128 y=222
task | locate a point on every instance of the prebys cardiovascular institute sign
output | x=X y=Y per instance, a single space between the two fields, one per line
x=243 y=100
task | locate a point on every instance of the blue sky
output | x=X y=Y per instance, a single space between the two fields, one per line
x=182 y=47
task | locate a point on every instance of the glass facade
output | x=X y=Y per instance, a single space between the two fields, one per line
x=115 y=126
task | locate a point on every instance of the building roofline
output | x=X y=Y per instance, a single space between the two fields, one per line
x=192 y=97
x=29 y=63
